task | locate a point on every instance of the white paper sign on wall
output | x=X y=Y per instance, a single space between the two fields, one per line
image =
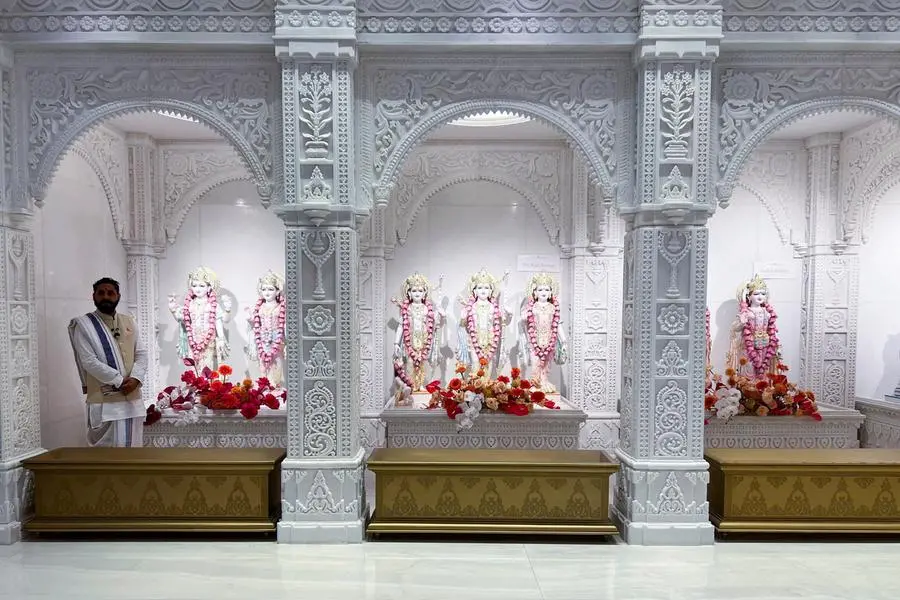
x=538 y=263
x=775 y=270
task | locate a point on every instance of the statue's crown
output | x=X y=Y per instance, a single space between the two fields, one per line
x=540 y=279
x=482 y=277
x=206 y=275
x=273 y=279
x=413 y=281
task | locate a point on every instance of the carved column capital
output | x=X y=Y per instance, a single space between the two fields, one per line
x=681 y=31
x=319 y=32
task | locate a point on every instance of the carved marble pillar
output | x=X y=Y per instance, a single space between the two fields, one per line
x=20 y=428
x=830 y=280
x=660 y=494
x=374 y=253
x=144 y=242
x=595 y=268
x=323 y=494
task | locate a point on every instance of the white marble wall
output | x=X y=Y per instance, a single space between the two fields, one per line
x=229 y=231
x=75 y=244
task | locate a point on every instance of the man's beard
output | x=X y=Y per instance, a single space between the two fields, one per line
x=107 y=307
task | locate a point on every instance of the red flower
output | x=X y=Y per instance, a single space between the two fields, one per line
x=263 y=382
x=816 y=416
x=761 y=385
x=188 y=377
x=520 y=410
x=551 y=404
x=455 y=384
x=525 y=384
x=271 y=401
x=514 y=373
x=225 y=370
x=538 y=397
x=153 y=415
x=503 y=378
x=515 y=393
x=249 y=410
x=433 y=386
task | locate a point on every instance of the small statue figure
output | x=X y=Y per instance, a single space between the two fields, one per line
x=754 y=348
x=418 y=340
x=201 y=320
x=543 y=340
x=266 y=328
x=483 y=319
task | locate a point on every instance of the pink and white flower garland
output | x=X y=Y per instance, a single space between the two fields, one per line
x=417 y=356
x=199 y=347
x=543 y=353
x=472 y=328
x=760 y=359
x=268 y=357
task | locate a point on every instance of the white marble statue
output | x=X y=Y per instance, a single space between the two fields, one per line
x=754 y=349
x=418 y=340
x=201 y=319
x=543 y=340
x=265 y=321
x=483 y=320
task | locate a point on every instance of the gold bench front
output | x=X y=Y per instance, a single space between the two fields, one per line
x=473 y=491
x=804 y=491
x=156 y=489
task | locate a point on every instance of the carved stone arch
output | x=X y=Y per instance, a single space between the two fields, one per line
x=112 y=191
x=755 y=137
x=776 y=211
x=880 y=181
x=65 y=96
x=405 y=223
x=577 y=140
x=175 y=219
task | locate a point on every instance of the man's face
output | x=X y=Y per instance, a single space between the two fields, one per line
x=106 y=298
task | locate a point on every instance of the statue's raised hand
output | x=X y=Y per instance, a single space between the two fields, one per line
x=173 y=302
x=226 y=303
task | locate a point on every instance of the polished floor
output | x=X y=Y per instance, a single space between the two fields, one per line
x=458 y=571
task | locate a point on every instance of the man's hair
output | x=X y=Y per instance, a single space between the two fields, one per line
x=108 y=280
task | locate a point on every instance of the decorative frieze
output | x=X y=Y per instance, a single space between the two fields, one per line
x=809 y=16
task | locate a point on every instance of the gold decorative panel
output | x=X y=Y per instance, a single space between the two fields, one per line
x=491 y=491
x=821 y=491
x=156 y=489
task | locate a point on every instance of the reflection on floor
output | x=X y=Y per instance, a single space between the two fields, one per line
x=104 y=570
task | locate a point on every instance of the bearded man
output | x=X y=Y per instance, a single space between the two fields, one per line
x=112 y=363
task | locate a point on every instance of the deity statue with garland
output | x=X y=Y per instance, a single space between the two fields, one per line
x=754 y=350
x=543 y=339
x=418 y=341
x=201 y=320
x=482 y=323
x=266 y=320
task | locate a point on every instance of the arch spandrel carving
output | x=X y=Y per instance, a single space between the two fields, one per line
x=104 y=152
x=63 y=98
x=759 y=95
x=535 y=174
x=577 y=97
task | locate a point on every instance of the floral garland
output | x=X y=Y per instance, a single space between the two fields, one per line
x=197 y=348
x=760 y=360
x=417 y=356
x=542 y=352
x=473 y=331
x=267 y=358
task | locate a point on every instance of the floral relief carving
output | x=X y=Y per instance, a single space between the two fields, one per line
x=434 y=167
x=320 y=421
x=672 y=319
x=232 y=94
x=771 y=17
x=315 y=91
x=319 y=320
x=410 y=100
x=677 y=107
x=671 y=420
x=319 y=364
x=671 y=362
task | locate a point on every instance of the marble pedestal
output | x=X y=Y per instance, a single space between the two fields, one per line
x=544 y=429
x=219 y=429
x=839 y=428
x=882 y=426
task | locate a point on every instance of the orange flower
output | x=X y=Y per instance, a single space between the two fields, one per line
x=247 y=383
x=483 y=361
x=460 y=368
x=743 y=360
x=729 y=372
x=214 y=375
x=225 y=370
x=480 y=373
x=455 y=384
x=762 y=411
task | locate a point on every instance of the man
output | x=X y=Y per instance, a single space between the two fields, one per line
x=112 y=363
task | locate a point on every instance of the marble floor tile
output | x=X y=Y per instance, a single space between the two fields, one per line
x=104 y=570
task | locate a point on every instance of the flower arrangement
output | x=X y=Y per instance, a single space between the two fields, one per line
x=770 y=394
x=212 y=390
x=469 y=394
